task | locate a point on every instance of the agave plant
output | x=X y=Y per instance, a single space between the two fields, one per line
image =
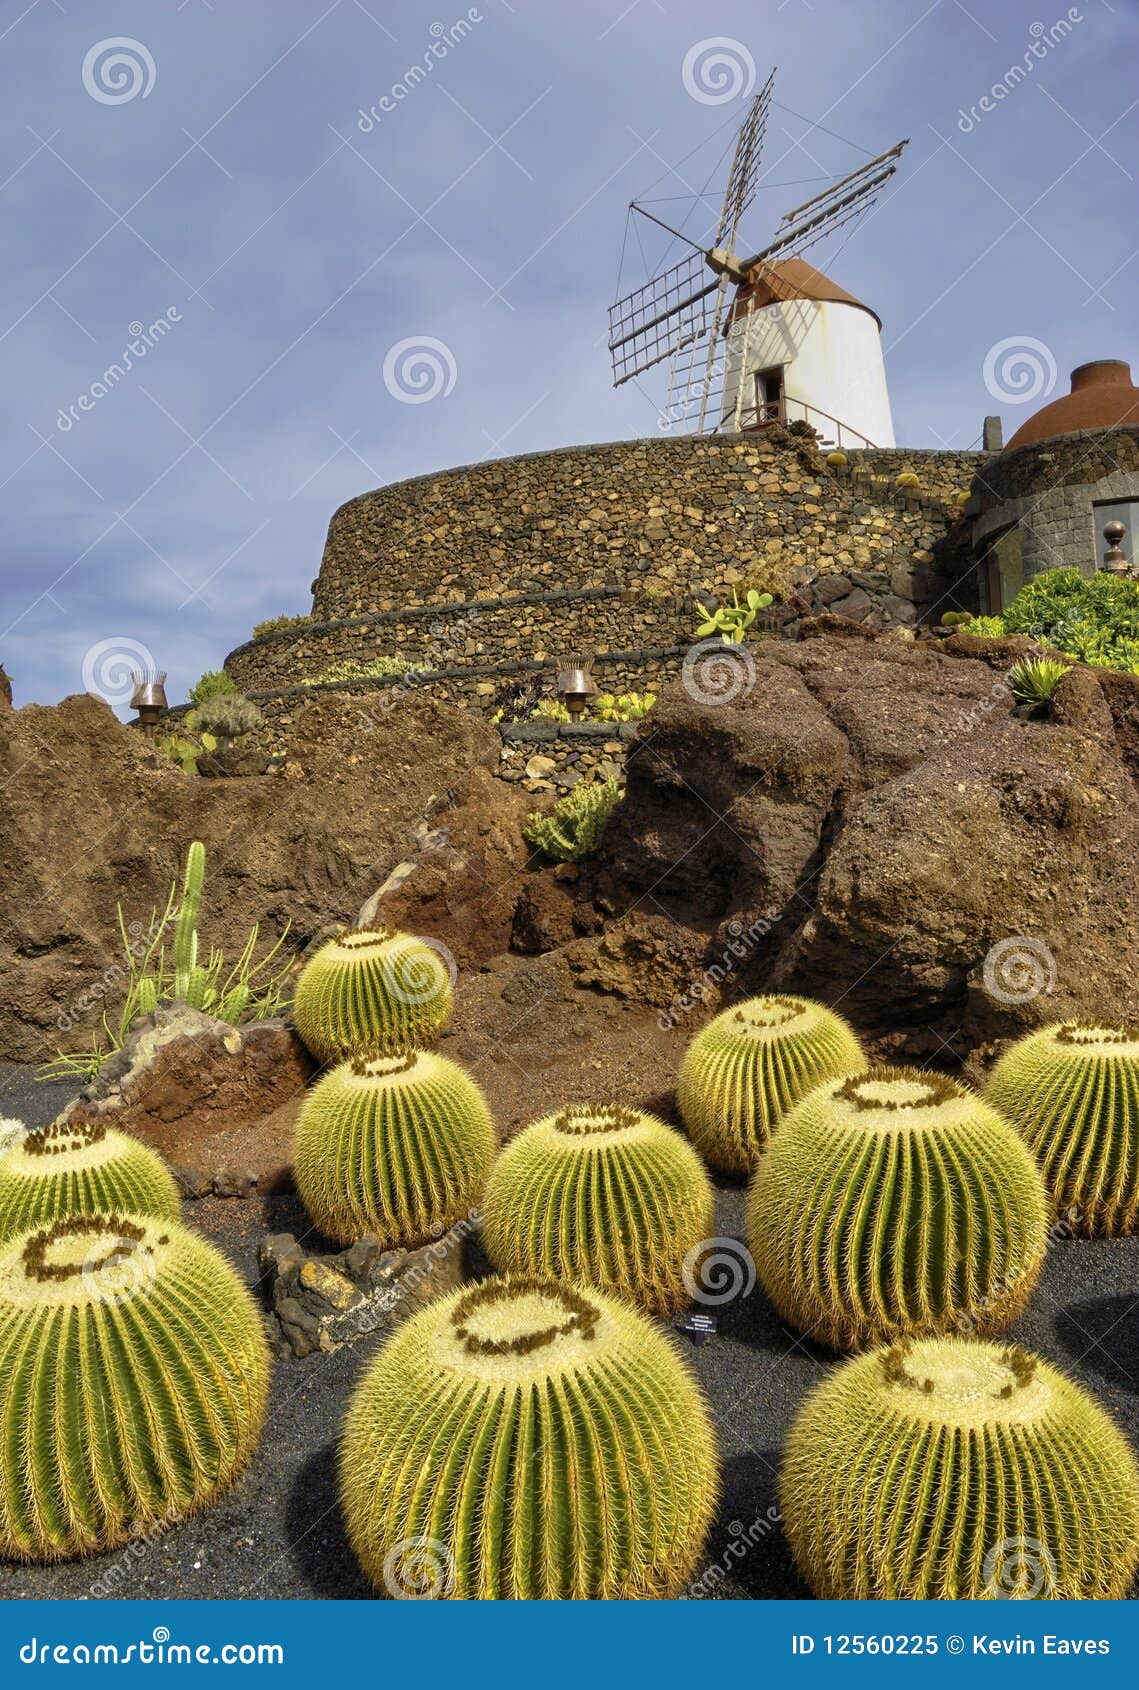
x=1034 y=679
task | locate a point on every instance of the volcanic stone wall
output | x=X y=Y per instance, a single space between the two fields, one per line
x=499 y=568
x=1049 y=489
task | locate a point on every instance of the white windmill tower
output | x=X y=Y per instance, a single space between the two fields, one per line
x=769 y=338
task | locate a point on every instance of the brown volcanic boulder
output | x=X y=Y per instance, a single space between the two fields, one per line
x=941 y=860
x=5 y=691
x=91 y=816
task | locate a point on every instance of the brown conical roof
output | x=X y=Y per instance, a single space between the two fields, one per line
x=793 y=278
x=1103 y=396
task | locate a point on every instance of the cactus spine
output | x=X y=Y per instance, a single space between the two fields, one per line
x=1072 y=1092
x=894 y=1203
x=956 y=1469
x=365 y=990
x=753 y=1063
x=398 y=1145
x=135 y=1374
x=602 y=1195
x=81 y=1169
x=523 y=1439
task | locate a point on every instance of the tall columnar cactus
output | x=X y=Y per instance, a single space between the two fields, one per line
x=398 y=1145
x=602 y=1195
x=957 y=1469
x=187 y=974
x=365 y=990
x=753 y=1063
x=894 y=1203
x=525 y=1439
x=1072 y=1091
x=135 y=1380
x=81 y=1169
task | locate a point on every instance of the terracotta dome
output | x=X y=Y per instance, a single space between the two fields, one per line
x=793 y=278
x=1102 y=396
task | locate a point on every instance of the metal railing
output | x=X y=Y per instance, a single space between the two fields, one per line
x=787 y=409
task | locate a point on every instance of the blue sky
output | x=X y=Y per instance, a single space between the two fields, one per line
x=215 y=175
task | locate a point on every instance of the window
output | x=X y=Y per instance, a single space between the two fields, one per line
x=1122 y=510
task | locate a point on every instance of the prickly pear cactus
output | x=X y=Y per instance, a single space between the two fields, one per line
x=956 y=1469
x=365 y=990
x=753 y=1063
x=397 y=1145
x=894 y=1203
x=1072 y=1092
x=525 y=1439
x=135 y=1376
x=604 y=1196
x=81 y=1169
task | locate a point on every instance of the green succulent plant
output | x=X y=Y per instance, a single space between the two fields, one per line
x=226 y=716
x=215 y=683
x=525 y=1439
x=748 y=1067
x=83 y=1168
x=895 y=1203
x=397 y=1145
x=732 y=621
x=837 y=458
x=574 y=828
x=550 y=710
x=958 y=1470
x=1072 y=1092
x=623 y=707
x=135 y=1375
x=369 y=988
x=604 y=1196
x=1033 y=680
x=907 y=478
x=280 y=625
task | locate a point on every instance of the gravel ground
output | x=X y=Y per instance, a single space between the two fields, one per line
x=279 y=1534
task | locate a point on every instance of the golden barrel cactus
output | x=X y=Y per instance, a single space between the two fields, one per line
x=753 y=1063
x=135 y=1376
x=1072 y=1092
x=84 y=1168
x=605 y=1196
x=526 y=1439
x=956 y=1469
x=397 y=1145
x=364 y=990
x=894 y=1203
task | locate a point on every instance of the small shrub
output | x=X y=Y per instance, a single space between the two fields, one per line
x=550 y=710
x=278 y=624
x=215 y=683
x=624 y=707
x=376 y=669
x=1093 y=619
x=1034 y=679
x=573 y=829
x=984 y=627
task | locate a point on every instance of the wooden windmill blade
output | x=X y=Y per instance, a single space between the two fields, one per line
x=843 y=200
x=671 y=313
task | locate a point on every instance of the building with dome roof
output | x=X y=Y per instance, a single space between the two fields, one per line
x=1044 y=500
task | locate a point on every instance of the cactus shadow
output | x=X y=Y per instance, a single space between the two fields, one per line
x=747 y=1556
x=318 y=1543
x=1101 y=1334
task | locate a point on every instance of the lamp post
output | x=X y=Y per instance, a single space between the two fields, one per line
x=149 y=699
x=576 y=687
x=1114 y=559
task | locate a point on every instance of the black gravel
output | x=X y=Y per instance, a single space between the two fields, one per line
x=279 y=1534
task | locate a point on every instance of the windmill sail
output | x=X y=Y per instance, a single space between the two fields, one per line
x=843 y=200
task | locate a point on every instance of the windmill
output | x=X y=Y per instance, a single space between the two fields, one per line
x=683 y=315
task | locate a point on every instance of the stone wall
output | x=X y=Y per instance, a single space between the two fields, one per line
x=496 y=569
